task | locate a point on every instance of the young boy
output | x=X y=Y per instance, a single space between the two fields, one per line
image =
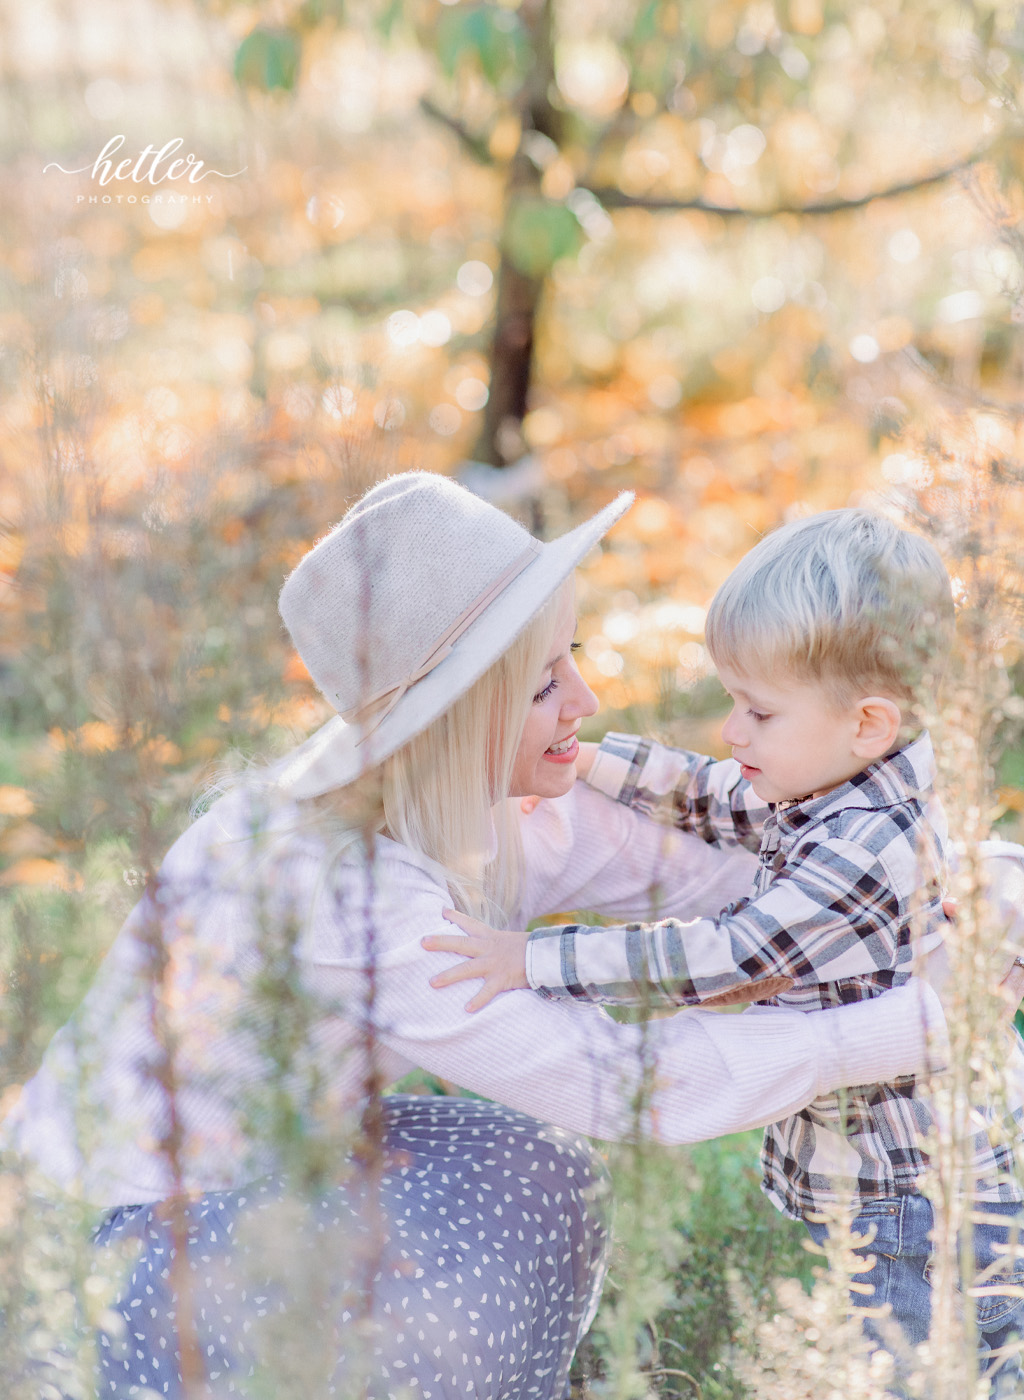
x=826 y=636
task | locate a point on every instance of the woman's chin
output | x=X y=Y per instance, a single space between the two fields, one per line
x=547 y=780
x=555 y=781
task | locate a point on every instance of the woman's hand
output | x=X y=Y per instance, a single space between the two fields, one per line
x=496 y=955
x=1012 y=987
x=1005 y=874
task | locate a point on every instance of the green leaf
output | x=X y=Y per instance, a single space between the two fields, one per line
x=490 y=37
x=389 y=17
x=538 y=233
x=268 y=59
x=646 y=25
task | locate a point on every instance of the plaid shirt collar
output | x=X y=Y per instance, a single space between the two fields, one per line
x=906 y=775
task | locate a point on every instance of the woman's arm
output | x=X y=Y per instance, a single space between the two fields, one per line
x=576 y=1067
x=584 y=851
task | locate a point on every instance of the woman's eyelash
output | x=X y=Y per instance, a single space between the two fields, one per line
x=553 y=684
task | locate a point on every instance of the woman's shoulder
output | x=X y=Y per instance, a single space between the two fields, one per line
x=557 y=823
x=254 y=828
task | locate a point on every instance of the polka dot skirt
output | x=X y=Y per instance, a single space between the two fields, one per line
x=470 y=1268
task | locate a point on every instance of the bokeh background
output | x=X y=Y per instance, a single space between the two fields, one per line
x=752 y=260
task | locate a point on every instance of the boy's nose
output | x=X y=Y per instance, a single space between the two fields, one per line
x=732 y=733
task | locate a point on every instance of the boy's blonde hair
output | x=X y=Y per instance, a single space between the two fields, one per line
x=438 y=793
x=846 y=599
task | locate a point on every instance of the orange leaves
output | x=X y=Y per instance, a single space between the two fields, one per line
x=300 y=712
x=96 y=736
x=295 y=670
x=161 y=751
x=15 y=801
x=750 y=416
x=650 y=518
x=38 y=872
x=12 y=547
x=148 y=309
x=1010 y=799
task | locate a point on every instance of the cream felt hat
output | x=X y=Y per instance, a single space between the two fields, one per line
x=411 y=597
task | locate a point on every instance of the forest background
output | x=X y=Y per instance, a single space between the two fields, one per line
x=752 y=260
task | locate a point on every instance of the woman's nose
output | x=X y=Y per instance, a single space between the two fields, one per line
x=580 y=700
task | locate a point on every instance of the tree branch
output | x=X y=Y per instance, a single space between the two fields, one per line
x=613 y=198
x=970 y=398
x=473 y=144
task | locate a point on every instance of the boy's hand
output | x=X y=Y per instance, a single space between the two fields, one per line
x=496 y=955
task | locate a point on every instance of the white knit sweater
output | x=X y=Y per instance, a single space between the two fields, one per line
x=96 y=1118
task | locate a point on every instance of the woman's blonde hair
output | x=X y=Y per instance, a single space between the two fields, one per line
x=445 y=794
x=845 y=598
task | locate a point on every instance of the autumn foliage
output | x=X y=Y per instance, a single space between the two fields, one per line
x=750 y=260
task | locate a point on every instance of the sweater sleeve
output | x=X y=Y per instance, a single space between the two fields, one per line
x=576 y=1067
x=586 y=852
x=344 y=935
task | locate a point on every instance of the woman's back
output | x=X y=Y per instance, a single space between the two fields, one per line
x=210 y=1014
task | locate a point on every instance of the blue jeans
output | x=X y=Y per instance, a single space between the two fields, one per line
x=902 y=1274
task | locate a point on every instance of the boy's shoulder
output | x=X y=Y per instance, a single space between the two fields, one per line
x=898 y=790
x=905 y=825
x=889 y=812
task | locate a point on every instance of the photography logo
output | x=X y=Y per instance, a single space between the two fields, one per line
x=150 y=168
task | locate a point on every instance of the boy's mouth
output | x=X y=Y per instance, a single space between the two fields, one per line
x=747 y=772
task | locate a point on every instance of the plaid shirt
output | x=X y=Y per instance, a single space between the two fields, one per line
x=847 y=890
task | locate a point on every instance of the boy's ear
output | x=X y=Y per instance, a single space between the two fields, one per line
x=878 y=722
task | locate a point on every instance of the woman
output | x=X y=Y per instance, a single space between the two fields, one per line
x=216 y=1096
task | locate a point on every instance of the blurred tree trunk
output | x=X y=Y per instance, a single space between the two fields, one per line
x=519 y=295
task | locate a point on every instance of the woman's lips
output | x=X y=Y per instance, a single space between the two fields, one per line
x=570 y=756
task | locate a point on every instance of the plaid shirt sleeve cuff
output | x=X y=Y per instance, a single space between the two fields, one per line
x=617 y=766
x=612 y=965
x=545 y=970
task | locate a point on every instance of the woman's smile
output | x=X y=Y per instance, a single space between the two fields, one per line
x=565 y=751
x=548 y=750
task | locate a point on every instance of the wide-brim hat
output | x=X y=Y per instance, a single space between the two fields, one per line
x=403 y=605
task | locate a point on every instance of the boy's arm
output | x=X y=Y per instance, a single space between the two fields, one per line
x=498 y=958
x=705 y=796
x=835 y=915
x=645 y=963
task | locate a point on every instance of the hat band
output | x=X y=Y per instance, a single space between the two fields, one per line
x=379 y=706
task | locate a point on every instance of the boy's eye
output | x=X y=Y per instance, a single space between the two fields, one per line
x=757 y=715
